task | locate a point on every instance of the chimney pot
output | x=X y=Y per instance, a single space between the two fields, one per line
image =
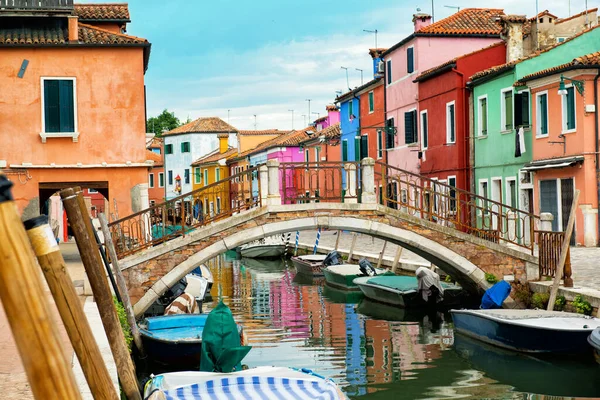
x=73 y=29
x=421 y=20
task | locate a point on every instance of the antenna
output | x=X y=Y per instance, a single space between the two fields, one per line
x=292 y=111
x=228 y=115
x=318 y=114
x=457 y=8
x=347 y=81
x=309 y=100
x=304 y=116
x=361 y=75
x=254 y=121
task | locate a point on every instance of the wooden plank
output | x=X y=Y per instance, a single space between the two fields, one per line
x=563 y=251
x=28 y=313
x=71 y=311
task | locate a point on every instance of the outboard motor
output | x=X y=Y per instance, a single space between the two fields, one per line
x=366 y=268
x=333 y=258
x=174 y=292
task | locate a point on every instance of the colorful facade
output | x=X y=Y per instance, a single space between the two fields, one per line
x=156 y=173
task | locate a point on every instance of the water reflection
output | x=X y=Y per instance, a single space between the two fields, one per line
x=373 y=350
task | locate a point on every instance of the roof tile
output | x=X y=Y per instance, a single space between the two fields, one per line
x=203 y=125
x=215 y=156
x=104 y=11
x=468 y=21
x=592 y=59
x=262 y=132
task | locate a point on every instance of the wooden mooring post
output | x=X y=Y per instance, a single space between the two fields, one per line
x=76 y=324
x=25 y=303
x=90 y=256
x=381 y=255
x=351 y=252
x=396 y=263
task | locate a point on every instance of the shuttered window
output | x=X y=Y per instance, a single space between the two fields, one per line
x=507 y=110
x=170 y=177
x=350 y=110
x=522 y=110
x=197 y=175
x=388 y=71
x=185 y=147
x=410 y=60
x=217 y=174
x=569 y=109
x=161 y=179
x=410 y=127
x=450 y=124
x=151 y=180
x=483 y=118
x=168 y=149
x=389 y=136
x=379 y=143
x=371 y=102
x=205 y=175
x=542 y=114
x=59 y=107
x=424 y=129
x=364 y=146
x=345 y=150
x=186 y=175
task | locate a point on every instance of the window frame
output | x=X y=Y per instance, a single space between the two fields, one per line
x=538 y=116
x=371 y=96
x=161 y=179
x=151 y=180
x=412 y=53
x=503 y=124
x=170 y=177
x=217 y=174
x=44 y=135
x=205 y=177
x=448 y=123
x=528 y=91
x=564 y=111
x=197 y=175
x=508 y=199
x=380 y=142
x=186 y=176
x=185 y=147
x=415 y=127
x=168 y=147
x=424 y=135
x=485 y=206
x=452 y=195
x=388 y=72
x=480 y=116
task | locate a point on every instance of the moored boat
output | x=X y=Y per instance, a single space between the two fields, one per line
x=342 y=276
x=259 y=382
x=310 y=264
x=594 y=341
x=403 y=291
x=270 y=247
x=529 y=331
x=197 y=286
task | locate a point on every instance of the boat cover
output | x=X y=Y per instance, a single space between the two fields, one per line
x=401 y=283
x=495 y=296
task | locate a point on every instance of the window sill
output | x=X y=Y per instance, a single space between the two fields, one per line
x=46 y=135
x=506 y=132
x=545 y=136
x=569 y=131
x=479 y=137
x=450 y=143
x=416 y=144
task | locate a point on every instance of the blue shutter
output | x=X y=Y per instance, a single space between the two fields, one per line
x=410 y=62
x=67 y=111
x=51 y=106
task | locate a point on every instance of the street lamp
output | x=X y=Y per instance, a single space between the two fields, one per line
x=562 y=90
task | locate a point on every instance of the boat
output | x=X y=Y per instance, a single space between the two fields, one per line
x=403 y=291
x=529 y=331
x=260 y=382
x=594 y=341
x=339 y=296
x=386 y=312
x=342 y=276
x=204 y=272
x=310 y=264
x=269 y=247
x=197 y=286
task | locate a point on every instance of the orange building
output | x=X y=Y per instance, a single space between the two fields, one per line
x=72 y=104
x=156 y=173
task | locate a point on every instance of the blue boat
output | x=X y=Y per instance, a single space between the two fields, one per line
x=174 y=339
x=529 y=331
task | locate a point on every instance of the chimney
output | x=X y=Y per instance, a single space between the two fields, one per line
x=376 y=56
x=512 y=33
x=73 y=29
x=223 y=142
x=421 y=20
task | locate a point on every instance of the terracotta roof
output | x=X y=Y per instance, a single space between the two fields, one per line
x=561 y=20
x=93 y=35
x=372 y=82
x=514 y=18
x=592 y=59
x=154 y=143
x=332 y=107
x=375 y=53
x=157 y=158
x=203 y=125
x=292 y=138
x=468 y=21
x=103 y=12
x=332 y=131
x=262 y=132
x=505 y=67
x=542 y=14
x=215 y=156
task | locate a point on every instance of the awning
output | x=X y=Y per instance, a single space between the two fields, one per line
x=555 y=163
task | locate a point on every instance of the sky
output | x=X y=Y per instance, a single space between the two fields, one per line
x=267 y=57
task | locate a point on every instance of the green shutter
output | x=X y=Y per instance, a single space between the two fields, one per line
x=379 y=144
x=197 y=175
x=183 y=147
x=169 y=149
x=484 y=119
x=67 y=113
x=364 y=147
x=570 y=108
x=543 y=114
x=452 y=125
x=357 y=149
x=217 y=174
x=344 y=150
x=51 y=106
x=389 y=136
x=350 y=109
x=525 y=109
x=508 y=110
x=161 y=180
x=371 y=102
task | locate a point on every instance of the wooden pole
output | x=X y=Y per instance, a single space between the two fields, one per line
x=102 y=294
x=110 y=247
x=563 y=251
x=28 y=313
x=397 y=259
x=337 y=239
x=351 y=253
x=381 y=255
x=53 y=265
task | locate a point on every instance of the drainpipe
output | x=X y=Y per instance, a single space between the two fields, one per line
x=465 y=112
x=597 y=148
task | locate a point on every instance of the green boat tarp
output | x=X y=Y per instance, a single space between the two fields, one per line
x=402 y=283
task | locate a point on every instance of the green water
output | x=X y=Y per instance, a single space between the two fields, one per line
x=376 y=351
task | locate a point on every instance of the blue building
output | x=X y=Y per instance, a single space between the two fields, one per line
x=349 y=125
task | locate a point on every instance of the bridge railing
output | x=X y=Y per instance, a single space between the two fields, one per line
x=550 y=244
x=323 y=181
x=456 y=208
x=182 y=214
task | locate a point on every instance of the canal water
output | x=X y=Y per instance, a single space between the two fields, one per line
x=376 y=351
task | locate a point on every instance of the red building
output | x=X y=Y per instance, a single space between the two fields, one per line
x=444 y=114
x=372 y=120
x=156 y=174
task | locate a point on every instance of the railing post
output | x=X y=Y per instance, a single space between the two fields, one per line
x=368 y=181
x=351 y=196
x=263 y=181
x=274 y=196
x=546 y=222
x=511 y=229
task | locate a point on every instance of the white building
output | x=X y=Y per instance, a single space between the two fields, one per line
x=188 y=143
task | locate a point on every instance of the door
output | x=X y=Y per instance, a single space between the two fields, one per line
x=549 y=200
x=567 y=189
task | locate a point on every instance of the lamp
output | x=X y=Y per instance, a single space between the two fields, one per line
x=562 y=90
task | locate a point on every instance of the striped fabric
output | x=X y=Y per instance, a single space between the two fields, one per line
x=254 y=387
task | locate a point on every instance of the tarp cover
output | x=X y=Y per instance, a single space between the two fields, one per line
x=495 y=296
x=402 y=283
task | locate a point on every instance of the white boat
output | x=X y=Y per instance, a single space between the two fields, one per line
x=310 y=264
x=259 y=382
x=197 y=286
x=269 y=247
x=342 y=276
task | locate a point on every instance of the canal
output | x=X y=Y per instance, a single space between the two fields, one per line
x=376 y=351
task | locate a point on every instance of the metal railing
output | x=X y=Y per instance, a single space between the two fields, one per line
x=456 y=208
x=324 y=181
x=36 y=5
x=180 y=215
x=550 y=244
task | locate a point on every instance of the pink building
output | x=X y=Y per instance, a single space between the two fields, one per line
x=332 y=118
x=430 y=45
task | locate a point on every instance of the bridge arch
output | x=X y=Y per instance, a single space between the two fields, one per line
x=464 y=257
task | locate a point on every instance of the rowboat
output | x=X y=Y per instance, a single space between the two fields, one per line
x=403 y=291
x=259 y=382
x=594 y=341
x=342 y=276
x=270 y=247
x=310 y=264
x=529 y=331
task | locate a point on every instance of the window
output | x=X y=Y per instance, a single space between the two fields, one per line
x=364 y=147
x=542 y=114
x=197 y=176
x=511 y=192
x=90 y=191
x=483 y=192
x=317 y=154
x=452 y=184
x=379 y=143
x=345 y=150
x=371 y=102
x=218 y=205
x=186 y=175
x=388 y=71
x=170 y=173
x=151 y=180
x=389 y=135
x=155 y=150
x=410 y=62
x=351 y=110
x=205 y=175
x=568 y=110
x=59 y=105
x=560 y=39
x=217 y=174
x=168 y=149
x=306 y=157
x=161 y=179
x=424 y=130
x=450 y=123
x=541 y=20
x=482 y=117
x=185 y=147
x=506 y=110
x=522 y=109
x=410 y=127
